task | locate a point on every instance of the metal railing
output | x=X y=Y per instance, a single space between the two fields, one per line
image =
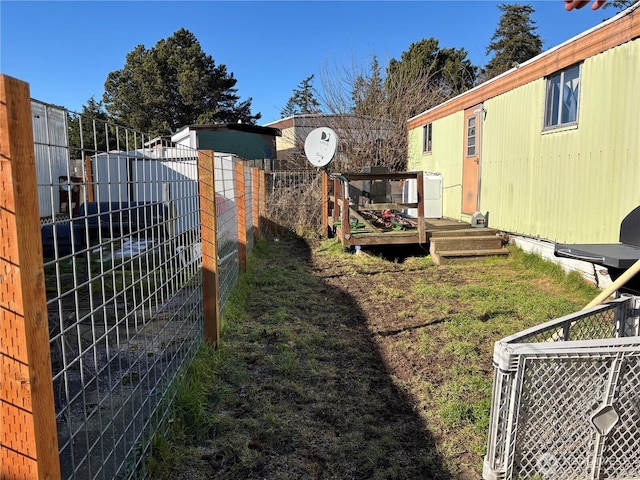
x=566 y=398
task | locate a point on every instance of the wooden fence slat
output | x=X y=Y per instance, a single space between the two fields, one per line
x=28 y=438
x=263 y=199
x=89 y=178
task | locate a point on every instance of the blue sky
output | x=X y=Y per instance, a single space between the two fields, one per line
x=65 y=50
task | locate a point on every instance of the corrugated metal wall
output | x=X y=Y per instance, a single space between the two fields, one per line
x=51 y=150
x=566 y=185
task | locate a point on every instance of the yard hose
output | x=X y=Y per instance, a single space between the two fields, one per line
x=619 y=282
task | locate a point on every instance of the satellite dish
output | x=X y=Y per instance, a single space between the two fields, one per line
x=320 y=146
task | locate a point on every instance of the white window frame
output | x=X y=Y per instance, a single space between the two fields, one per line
x=472 y=135
x=427 y=138
x=562 y=111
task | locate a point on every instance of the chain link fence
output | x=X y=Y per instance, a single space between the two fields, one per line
x=566 y=398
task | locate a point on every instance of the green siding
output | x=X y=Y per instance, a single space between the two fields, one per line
x=446 y=159
x=566 y=185
x=250 y=146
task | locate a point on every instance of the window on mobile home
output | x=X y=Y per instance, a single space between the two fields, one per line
x=561 y=102
x=427 y=132
x=471 y=136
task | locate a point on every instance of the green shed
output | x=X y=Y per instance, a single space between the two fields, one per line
x=249 y=142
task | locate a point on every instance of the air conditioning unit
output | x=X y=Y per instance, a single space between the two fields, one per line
x=432 y=195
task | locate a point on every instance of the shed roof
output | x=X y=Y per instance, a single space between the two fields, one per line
x=241 y=127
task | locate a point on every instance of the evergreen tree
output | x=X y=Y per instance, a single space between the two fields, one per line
x=303 y=101
x=440 y=74
x=620 y=5
x=172 y=85
x=88 y=130
x=515 y=41
x=368 y=92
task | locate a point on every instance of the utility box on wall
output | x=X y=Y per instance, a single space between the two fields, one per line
x=432 y=192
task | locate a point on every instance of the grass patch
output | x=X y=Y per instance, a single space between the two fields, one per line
x=334 y=365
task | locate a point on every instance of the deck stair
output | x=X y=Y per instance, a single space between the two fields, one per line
x=466 y=243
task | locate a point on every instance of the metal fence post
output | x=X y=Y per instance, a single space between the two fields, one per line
x=210 y=273
x=28 y=438
x=242 y=215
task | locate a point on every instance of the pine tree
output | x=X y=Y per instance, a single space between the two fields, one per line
x=89 y=130
x=620 y=5
x=303 y=101
x=431 y=74
x=515 y=41
x=172 y=85
x=368 y=93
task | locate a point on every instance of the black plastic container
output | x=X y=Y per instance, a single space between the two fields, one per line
x=64 y=236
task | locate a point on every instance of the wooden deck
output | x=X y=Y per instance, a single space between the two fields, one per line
x=447 y=238
x=433 y=227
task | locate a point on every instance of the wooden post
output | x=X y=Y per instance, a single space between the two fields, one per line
x=88 y=172
x=241 y=208
x=325 y=204
x=255 y=202
x=210 y=273
x=28 y=437
x=337 y=203
x=263 y=198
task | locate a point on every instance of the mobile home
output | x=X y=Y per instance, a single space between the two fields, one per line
x=550 y=149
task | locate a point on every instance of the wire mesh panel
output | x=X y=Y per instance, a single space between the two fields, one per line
x=566 y=398
x=294 y=179
x=294 y=200
x=121 y=233
x=227 y=224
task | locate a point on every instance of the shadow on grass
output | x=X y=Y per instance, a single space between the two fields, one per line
x=301 y=390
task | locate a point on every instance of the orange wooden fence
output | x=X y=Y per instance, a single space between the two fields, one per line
x=28 y=440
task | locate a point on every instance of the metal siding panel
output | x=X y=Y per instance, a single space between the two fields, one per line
x=510 y=164
x=249 y=146
x=610 y=139
x=595 y=174
x=51 y=153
